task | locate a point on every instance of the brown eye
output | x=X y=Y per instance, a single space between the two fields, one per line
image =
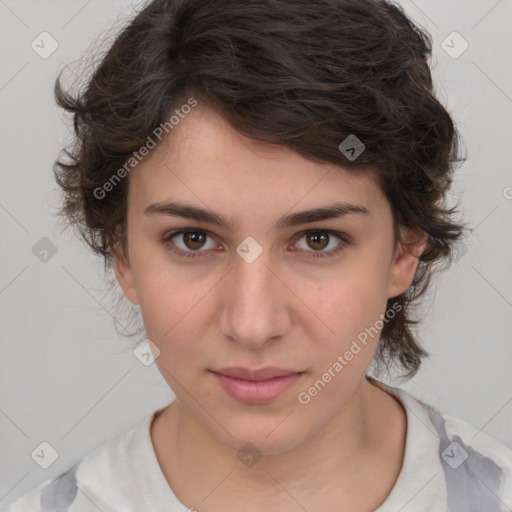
x=194 y=239
x=318 y=240
x=188 y=242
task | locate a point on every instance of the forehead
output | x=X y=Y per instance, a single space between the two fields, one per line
x=205 y=160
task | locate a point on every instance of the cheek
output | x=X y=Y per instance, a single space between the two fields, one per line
x=164 y=290
x=171 y=311
x=354 y=297
x=176 y=313
x=170 y=307
x=350 y=306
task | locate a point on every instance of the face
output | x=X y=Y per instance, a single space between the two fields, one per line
x=267 y=288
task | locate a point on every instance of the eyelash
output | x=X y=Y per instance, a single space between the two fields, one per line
x=197 y=254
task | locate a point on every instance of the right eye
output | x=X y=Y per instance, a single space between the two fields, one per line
x=189 y=242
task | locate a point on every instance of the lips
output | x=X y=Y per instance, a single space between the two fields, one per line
x=256 y=386
x=270 y=372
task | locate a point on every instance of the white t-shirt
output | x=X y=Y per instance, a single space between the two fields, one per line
x=448 y=466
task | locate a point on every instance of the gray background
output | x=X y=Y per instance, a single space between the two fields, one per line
x=67 y=377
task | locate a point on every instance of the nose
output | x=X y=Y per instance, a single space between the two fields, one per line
x=255 y=302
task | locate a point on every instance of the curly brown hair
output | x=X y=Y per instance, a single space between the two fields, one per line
x=304 y=74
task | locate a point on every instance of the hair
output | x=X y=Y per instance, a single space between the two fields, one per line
x=304 y=74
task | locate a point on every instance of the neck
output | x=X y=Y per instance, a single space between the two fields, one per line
x=338 y=460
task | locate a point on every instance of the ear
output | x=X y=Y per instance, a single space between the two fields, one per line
x=406 y=259
x=124 y=274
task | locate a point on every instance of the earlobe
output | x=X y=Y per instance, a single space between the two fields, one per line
x=406 y=260
x=124 y=277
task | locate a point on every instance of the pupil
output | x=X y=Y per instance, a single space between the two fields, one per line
x=315 y=238
x=194 y=240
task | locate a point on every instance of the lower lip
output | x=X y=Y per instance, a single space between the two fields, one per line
x=254 y=391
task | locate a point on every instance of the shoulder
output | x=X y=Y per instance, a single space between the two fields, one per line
x=61 y=488
x=473 y=441
x=103 y=480
x=477 y=468
x=462 y=442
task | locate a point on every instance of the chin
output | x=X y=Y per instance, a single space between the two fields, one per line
x=265 y=436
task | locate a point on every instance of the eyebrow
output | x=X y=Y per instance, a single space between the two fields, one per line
x=187 y=211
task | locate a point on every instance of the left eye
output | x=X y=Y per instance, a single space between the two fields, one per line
x=320 y=239
x=193 y=242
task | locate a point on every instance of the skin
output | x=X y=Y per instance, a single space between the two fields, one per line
x=287 y=308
